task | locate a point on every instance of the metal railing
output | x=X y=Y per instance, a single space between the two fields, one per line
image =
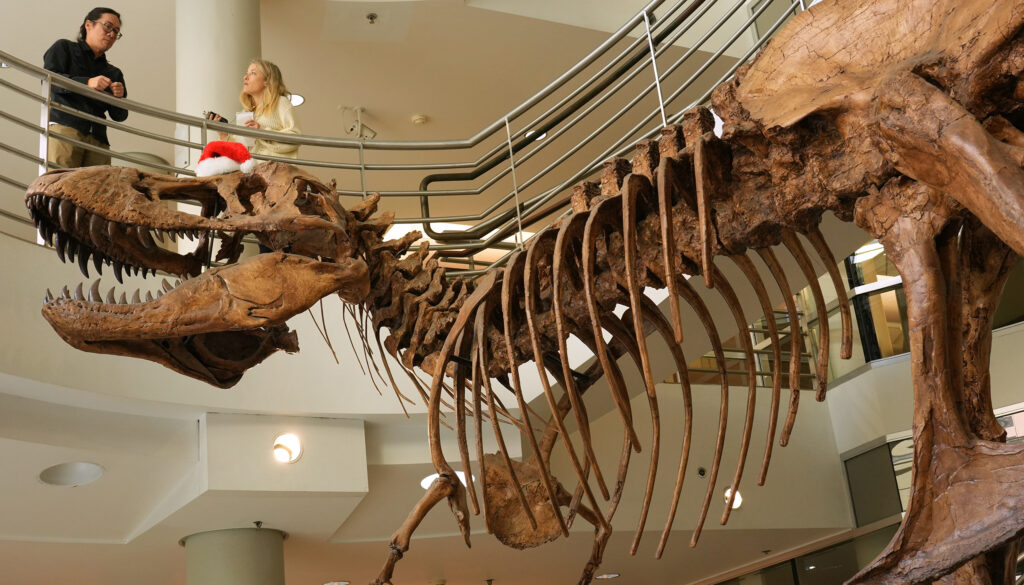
x=516 y=182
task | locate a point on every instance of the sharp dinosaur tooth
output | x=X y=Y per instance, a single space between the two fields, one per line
x=82 y=218
x=109 y=299
x=48 y=296
x=159 y=293
x=145 y=272
x=53 y=206
x=172 y=236
x=83 y=259
x=142 y=233
x=113 y=228
x=97 y=227
x=72 y=248
x=79 y=296
x=123 y=300
x=34 y=215
x=177 y=282
x=158 y=235
x=97 y=261
x=149 y=296
x=118 y=267
x=94 y=292
x=168 y=287
x=135 y=297
x=134 y=270
x=65 y=293
x=66 y=213
x=62 y=243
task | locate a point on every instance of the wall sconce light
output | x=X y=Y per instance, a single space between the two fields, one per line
x=287 y=448
x=737 y=501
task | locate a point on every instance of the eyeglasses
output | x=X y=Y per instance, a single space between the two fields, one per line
x=109 y=28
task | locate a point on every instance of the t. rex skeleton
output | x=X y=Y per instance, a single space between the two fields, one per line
x=915 y=136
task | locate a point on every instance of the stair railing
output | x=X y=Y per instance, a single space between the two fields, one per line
x=577 y=109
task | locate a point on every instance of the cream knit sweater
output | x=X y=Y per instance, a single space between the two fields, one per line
x=280 y=119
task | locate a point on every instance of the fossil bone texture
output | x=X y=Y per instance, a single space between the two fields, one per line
x=903 y=116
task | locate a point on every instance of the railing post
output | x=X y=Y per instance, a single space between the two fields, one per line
x=515 y=185
x=44 y=121
x=654 y=66
x=362 y=170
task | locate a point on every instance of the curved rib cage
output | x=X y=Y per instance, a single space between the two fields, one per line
x=627 y=233
x=916 y=138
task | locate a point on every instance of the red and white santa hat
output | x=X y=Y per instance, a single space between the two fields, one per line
x=221 y=157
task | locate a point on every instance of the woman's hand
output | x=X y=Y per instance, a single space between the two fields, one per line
x=252 y=124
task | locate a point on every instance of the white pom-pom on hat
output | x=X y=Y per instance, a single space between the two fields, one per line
x=221 y=157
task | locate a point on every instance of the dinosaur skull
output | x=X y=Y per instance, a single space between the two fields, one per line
x=220 y=320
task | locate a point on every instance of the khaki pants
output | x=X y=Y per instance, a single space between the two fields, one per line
x=68 y=155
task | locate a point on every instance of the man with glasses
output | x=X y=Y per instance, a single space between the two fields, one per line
x=85 y=61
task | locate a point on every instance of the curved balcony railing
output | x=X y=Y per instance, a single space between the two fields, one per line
x=666 y=58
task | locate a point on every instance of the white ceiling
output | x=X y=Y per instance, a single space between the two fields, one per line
x=181 y=457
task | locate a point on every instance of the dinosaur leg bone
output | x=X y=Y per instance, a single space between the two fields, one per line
x=967 y=492
x=442 y=487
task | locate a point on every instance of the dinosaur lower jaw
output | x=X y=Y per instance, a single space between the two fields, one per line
x=263 y=291
x=214 y=326
x=219 y=359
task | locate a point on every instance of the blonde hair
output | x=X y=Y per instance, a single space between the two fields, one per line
x=274 y=90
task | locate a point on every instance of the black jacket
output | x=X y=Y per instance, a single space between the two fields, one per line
x=75 y=60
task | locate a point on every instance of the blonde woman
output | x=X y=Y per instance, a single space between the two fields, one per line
x=265 y=95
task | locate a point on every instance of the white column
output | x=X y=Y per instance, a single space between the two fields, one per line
x=214 y=43
x=239 y=556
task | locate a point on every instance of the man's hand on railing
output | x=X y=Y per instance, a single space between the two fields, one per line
x=100 y=82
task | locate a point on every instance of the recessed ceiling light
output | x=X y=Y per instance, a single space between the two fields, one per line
x=297 y=100
x=426 y=481
x=336 y=583
x=73 y=473
x=737 y=501
x=287 y=448
x=542 y=136
x=607 y=576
